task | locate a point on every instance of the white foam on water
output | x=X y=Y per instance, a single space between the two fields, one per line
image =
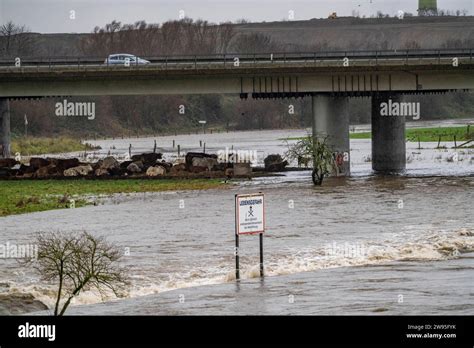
x=433 y=246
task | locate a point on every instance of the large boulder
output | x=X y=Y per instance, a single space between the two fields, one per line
x=206 y=162
x=48 y=171
x=4 y=172
x=190 y=156
x=64 y=163
x=134 y=168
x=24 y=169
x=125 y=164
x=242 y=169
x=156 y=171
x=78 y=171
x=119 y=171
x=38 y=162
x=7 y=162
x=181 y=167
x=148 y=159
x=196 y=169
x=109 y=163
x=101 y=172
x=274 y=163
x=229 y=172
x=165 y=165
x=139 y=165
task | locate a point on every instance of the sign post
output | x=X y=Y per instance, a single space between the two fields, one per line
x=249 y=219
x=203 y=125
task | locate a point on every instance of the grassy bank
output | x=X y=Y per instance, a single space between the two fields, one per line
x=429 y=134
x=39 y=146
x=424 y=134
x=26 y=196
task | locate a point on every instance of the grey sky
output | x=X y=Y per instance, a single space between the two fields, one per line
x=53 y=16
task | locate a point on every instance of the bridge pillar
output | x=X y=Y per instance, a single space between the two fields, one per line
x=331 y=120
x=4 y=128
x=388 y=137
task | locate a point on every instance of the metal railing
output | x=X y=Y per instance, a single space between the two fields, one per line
x=229 y=59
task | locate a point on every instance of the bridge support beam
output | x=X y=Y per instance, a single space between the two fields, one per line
x=4 y=128
x=331 y=120
x=388 y=137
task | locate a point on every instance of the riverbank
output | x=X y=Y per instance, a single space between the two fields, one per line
x=28 y=196
x=429 y=134
x=352 y=223
x=396 y=288
x=31 y=146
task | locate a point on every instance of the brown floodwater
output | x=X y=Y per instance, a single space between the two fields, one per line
x=415 y=222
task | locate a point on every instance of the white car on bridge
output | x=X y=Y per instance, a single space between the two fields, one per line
x=123 y=58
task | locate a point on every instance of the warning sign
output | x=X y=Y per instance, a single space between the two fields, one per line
x=250 y=213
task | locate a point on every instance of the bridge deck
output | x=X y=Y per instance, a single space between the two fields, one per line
x=335 y=72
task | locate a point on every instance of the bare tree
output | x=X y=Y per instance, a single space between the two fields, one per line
x=411 y=45
x=242 y=21
x=14 y=39
x=77 y=263
x=171 y=38
x=255 y=43
x=226 y=34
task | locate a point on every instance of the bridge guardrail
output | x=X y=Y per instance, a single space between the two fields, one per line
x=228 y=59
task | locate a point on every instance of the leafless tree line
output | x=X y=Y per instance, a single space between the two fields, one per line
x=14 y=39
x=174 y=37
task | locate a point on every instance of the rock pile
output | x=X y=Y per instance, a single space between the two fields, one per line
x=146 y=164
x=275 y=163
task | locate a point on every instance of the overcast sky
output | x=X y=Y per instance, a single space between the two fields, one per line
x=53 y=16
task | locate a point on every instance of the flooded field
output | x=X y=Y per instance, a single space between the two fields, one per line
x=419 y=223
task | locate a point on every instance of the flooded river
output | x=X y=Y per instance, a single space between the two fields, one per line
x=416 y=222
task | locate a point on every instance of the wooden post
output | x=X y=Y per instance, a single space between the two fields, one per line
x=154 y=147
x=261 y=255
x=179 y=150
x=439 y=142
x=455 y=143
x=26 y=126
x=130 y=150
x=5 y=137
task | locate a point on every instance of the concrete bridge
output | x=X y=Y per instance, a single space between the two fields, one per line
x=330 y=78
